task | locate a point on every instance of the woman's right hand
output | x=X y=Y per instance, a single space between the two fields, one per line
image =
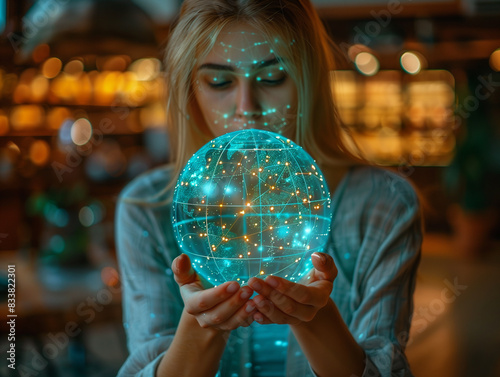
x=225 y=307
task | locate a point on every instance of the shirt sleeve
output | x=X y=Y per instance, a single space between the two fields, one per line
x=387 y=279
x=387 y=238
x=151 y=302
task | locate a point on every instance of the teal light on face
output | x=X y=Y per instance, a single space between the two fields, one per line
x=263 y=210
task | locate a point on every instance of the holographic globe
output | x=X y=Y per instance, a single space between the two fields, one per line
x=251 y=203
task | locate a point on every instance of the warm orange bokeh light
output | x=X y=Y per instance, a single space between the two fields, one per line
x=51 y=67
x=39 y=152
x=57 y=116
x=26 y=117
x=110 y=276
x=39 y=88
x=4 y=124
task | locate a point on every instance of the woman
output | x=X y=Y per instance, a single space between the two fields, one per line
x=265 y=64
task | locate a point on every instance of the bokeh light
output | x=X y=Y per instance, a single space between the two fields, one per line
x=110 y=276
x=74 y=67
x=55 y=215
x=56 y=117
x=4 y=123
x=51 y=67
x=57 y=244
x=411 y=63
x=39 y=88
x=495 y=60
x=39 y=152
x=367 y=63
x=81 y=131
x=26 y=117
x=146 y=69
x=86 y=216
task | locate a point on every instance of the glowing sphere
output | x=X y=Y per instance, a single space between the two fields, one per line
x=251 y=203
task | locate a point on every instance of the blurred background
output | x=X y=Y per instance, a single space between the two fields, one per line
x=81 y=114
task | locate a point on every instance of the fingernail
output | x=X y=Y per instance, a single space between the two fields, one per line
x=233 y=287
x=272 y=282
x=245 y=294
x=261 y=303
x=256 y=285
x=249 y=307
x=319 y=257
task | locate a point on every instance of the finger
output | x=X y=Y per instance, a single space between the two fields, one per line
x=272 y=313
x=230 y=313
x=324 y=265
x=275 y=288
x=278 y=306
x=315 y=294
x=197 y=300
x=183 y=271
x=261 y=318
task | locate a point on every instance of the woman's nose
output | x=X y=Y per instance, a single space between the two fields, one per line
x=247 y=104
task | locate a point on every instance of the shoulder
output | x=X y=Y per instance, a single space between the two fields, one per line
x=372 y=195
x=150 y=186
x=370 y=184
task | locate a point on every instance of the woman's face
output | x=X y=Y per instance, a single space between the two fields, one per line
x=241 y=84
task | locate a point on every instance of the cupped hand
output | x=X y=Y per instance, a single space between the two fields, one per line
x=284 y=302
x=225 y=307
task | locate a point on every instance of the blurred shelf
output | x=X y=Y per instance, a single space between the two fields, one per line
x=52 y=133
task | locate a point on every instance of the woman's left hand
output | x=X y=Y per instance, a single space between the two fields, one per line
x=281 y=301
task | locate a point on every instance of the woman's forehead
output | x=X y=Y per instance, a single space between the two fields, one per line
x=240 y=46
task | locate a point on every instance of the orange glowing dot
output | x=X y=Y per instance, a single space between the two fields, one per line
x=51 y=67
x=39 y=152
x=110 y=276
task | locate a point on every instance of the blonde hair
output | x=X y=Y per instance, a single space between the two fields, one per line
x=296 y=34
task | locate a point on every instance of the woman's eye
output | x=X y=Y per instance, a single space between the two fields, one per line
x=273 y=82
x=219 y=84
x=272 y=79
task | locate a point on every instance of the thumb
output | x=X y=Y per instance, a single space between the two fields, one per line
x=324 y=265
x=183 y=272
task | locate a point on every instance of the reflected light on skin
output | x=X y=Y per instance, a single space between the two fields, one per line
x=242 y=84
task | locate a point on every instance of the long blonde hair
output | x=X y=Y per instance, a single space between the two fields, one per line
x=296 y=34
